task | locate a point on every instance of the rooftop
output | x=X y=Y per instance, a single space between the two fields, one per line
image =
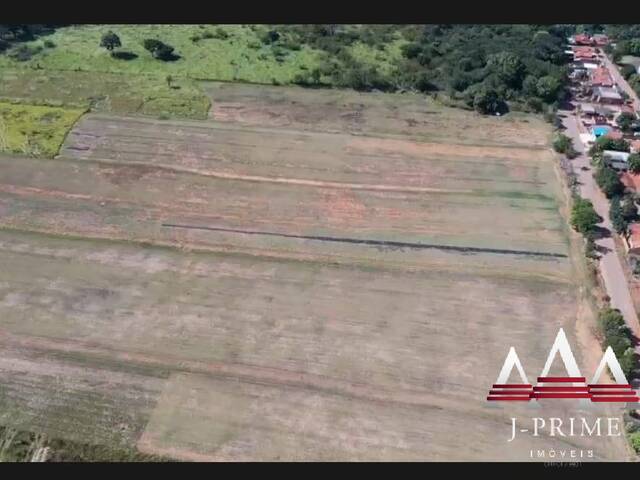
x=614 y=134
x=606 y=92
x=634 y=234
x=582 y=38
x=615 y=155
x=600 y=76
x=631 y=181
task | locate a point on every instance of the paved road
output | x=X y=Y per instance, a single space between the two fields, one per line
x=610 y=265
x=622 y=83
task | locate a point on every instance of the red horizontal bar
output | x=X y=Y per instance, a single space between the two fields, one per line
x=511 y=385
x=509 y=392
x=560 y=395
x=493 y=398
x=608 y=385
x=561 y=379
x=561 y=389
x=615 y=399
x=612 y=394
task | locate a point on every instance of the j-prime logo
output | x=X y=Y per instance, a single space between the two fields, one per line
x=573 y=386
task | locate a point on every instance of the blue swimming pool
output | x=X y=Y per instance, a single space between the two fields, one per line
x=600 y=130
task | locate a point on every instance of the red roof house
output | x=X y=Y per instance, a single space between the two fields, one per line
x=582 y=39
x=584 y=53
x=601 y=78
x=635 y=146
x=614 y=134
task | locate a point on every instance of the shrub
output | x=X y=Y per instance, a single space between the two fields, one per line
x=221 y=34
x=24 y=53
x=634 y=163
x=634 y=439
x=269 y=37
x=563 y=144
x=160 y=50
x=49 y=44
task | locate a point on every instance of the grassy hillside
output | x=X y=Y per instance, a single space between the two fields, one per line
x=240 y=56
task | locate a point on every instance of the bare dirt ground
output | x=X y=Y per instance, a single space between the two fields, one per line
x=236 y=344
x=340 y=111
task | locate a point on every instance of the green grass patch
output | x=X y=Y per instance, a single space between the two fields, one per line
x=236 y=54
x=22 y=446
x=34 y=130
x=104 y=92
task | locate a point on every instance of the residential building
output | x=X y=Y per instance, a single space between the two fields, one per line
x=600 y=78
x=616 y=160
x=581 y=39
x=600 y=40
x=609 y=96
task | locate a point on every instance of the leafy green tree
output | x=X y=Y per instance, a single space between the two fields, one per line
x=110 y=41
x=629 y=209
x=508 y=67
x=609 y=182
x=625 y=120
x=584 y=217
x=617 y=217
x=634 y=162
x=605 y=143
x=548 y=88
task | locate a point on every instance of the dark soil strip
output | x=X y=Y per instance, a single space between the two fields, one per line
x=377 y=243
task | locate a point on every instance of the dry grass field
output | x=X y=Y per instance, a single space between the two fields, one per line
x=345 y=297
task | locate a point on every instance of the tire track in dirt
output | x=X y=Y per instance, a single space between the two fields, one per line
x=371 y=242
x=284 y=180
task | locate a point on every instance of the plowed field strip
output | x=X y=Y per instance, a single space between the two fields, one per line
x=242 y=372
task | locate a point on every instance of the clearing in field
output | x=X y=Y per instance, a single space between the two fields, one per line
x=236 y=289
